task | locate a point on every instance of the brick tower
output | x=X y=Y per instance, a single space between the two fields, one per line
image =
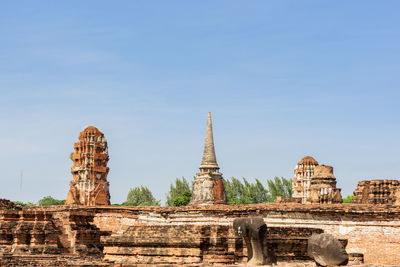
x=208 y=185
x=89 y=184
x=323 y=188
x=302 y=178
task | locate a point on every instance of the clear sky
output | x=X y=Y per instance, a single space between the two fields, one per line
x=282 y=79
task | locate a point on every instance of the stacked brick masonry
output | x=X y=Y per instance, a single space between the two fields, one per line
x=28 y=232
x=323 y=186
x=166 y=244
x=7 y=204
x=303 y=172
x=49 y=236
x=377 y=192
x=89 y=184
x=373 y=230
x=81 y=232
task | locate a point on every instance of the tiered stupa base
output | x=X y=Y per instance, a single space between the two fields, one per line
x=208 y=190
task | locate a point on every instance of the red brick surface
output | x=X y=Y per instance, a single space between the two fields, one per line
x=89 y=184
x=202 y=234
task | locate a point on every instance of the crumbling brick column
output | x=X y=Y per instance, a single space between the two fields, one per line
x=89 y=184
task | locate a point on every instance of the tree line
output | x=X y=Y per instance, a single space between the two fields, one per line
x=46 y=201
x=237 y=192
x=179 y=194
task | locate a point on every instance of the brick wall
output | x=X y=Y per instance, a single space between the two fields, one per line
x=370 y=229
x=192 y=234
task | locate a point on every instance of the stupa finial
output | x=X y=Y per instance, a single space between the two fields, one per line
x=208 y=184
x=209 y=162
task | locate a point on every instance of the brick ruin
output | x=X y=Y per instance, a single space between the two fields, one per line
x=323 y=186
x=208 y=185
x=89 y=184
x=195 y=235
x=88 y=231
x=313 y=183
x=377 y=192
x=303 y=172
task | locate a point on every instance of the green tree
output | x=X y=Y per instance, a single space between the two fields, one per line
x=235 y=191
x=20 y=203
x=179 y=193
x=140 y=196
x=256 y=192
x=348 y=199
x=279 y=187
x=46 y=201
x=246 y=192
x=182 y=200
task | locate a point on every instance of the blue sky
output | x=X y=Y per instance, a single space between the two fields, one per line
x=283 y=79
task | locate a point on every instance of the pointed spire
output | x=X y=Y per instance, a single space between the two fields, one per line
x=209 y=162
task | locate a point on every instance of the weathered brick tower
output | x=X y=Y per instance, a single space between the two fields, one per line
x=89 y=184
x=208 y=185
x=302 y=178
x=323 y=188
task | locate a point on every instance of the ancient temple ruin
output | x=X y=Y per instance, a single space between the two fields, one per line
x=201 y=235
x=323 y=188
x=303 y=172
x=208 y=185
x=89 y=184
x=314 y=183
x=377 y=192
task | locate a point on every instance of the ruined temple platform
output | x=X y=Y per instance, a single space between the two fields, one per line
x=199 y=235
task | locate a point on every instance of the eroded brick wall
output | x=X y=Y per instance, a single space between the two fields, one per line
x=373 y=230
x=197 y=234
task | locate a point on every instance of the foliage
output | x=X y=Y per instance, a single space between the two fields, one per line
x=179 y=194
x=259 y=194
x=20 y=203
x=279 y=187
x=348 y=199
x=245 y=192
x=46 y=201
x=182 y=200
x=140 y=196
x=235 y=191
